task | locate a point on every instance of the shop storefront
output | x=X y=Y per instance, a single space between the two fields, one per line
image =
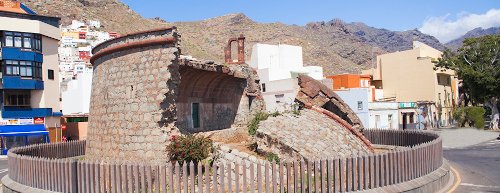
x=20 y=135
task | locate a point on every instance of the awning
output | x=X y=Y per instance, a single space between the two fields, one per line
x=22 y=130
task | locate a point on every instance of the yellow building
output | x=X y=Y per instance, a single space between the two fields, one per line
x=72 y=34
x=426 y=96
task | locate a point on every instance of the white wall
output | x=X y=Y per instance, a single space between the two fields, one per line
x=278 y=62
x=352 y=97
x=76 y=99
x=29 y=26
x=278 y=67
x=383 y=110
x=280 y=94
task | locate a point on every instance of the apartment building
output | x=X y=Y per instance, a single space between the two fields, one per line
x=29 y=86
x=425 y=96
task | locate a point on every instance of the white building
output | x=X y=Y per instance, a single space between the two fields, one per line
x=76 y=97
x=68 y=54
x=75 y=24
x=373 y=114
x=278 y=67
x=94 y=23
x=383 y=115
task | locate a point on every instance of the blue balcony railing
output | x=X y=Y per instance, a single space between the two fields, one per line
x=9 y=53
x=17 y=83
x=19 y=112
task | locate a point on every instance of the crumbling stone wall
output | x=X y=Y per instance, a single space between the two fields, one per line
x=314 y=93
x=229 y=95
x=142 y=93
x=308 y=136
x=134 y=86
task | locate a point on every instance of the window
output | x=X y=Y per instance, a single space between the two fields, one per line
x=280 y=98
x=9 y=39
x=360 y=105
x=23 y=40
x=17 y=42
x=26 y=69
x=263 y=87
x=389 y=119
x=17 y=98
x=51 y=74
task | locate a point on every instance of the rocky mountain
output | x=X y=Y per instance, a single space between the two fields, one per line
x=113 y=14
x=337 y=46
x=391 y=41
x=477 y=32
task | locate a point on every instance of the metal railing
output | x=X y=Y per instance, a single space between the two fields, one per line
x=36 y=166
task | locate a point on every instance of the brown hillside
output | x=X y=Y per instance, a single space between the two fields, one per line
x=337 y=46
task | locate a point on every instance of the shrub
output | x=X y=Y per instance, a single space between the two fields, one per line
x=475 y=115
x=189 y=148
x=470 y=116
x=254 y=123
x=272 y=157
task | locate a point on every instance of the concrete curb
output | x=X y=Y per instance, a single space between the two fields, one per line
x=432 y=182
x=10 y=186
x=451 y=182
x=437 y=181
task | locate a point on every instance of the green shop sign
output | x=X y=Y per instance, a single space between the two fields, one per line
x=406 y=105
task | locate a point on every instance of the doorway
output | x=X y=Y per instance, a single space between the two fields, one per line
x=195 y=114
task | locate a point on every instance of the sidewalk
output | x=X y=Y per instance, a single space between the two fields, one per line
x=463 y=137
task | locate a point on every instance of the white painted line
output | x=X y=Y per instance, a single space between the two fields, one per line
x=480 y=186
x=4 y=170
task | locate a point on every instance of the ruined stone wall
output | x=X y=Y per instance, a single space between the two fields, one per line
x=132 y=110
x=229 y=95
x=217 y=94
x=314 y=93
x=308 y=136
x=143 y=92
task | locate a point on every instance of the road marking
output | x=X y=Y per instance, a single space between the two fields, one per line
x=4 y=170
x=479 y=186
x=457 y=181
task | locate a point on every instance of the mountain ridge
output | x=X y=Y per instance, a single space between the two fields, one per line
x=337 y=46
x=476 y=32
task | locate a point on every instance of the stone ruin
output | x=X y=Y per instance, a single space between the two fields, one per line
x=144 y=91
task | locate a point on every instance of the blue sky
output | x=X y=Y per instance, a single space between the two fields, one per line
x=389 y=14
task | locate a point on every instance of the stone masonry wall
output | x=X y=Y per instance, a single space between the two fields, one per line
x=309 y=136
x=132 y=110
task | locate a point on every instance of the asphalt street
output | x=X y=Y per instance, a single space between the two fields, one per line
x=3 y=167
x=478 y=166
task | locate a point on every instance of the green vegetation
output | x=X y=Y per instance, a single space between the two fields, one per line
x=272 y=157
x=254 y=123
x=295 y=109
x=189 y=148
x=470 y=116
x=476 y=64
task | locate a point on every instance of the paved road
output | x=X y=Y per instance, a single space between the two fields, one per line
x=479 y=164
x=3 y=167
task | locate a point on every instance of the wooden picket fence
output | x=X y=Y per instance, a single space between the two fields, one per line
x=422 y=155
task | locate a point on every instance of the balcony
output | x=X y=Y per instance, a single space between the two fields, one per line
x=19 y=112
x=17 y=83
x=9 y=53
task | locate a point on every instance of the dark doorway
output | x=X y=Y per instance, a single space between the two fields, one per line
x=195 y=114
x=404 y=120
